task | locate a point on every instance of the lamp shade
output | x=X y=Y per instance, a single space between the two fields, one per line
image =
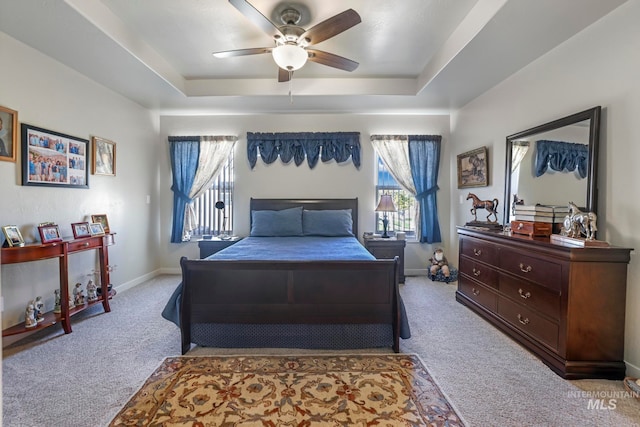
x=386 y=204
x=290 y=57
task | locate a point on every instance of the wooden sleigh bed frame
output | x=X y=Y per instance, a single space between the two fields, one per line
x=290 y=292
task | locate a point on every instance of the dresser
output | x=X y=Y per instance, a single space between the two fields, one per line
x=387 y=248
x=564 y=304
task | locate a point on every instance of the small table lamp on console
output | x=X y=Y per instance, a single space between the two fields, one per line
x=385 y=205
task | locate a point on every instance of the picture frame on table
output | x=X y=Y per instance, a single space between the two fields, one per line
x=103 y=156
x=473 y=168
x=8 y=134
x=96 y=229
x=102 y=219
x=49 y=233
x=53 y=159
x=80 y=230
x=12 y=235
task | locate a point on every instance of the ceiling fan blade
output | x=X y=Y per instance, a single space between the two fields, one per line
x=283 y=75
x=242 y=52
x=335 y=61
x=256 y=17
x=332 y=26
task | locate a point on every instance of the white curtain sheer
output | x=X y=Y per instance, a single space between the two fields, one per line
x=518 y=151
x=394 y=152
x=214 y=153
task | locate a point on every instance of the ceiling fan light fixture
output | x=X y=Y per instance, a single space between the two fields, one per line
x=290 y=57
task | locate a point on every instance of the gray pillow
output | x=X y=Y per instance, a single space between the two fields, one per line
x=327 y=222
x=287 y=222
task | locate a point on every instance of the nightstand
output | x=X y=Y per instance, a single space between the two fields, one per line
x=387 y=249
x=216 y=244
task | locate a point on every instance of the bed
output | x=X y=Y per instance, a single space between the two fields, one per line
x=292 y=285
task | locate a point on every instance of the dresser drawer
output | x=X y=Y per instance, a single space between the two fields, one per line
x=478 y=271
x=478 y=293
x=479 y=250
x=543 y=272
x=386 y=253
x=529 y=322
x=536 y=297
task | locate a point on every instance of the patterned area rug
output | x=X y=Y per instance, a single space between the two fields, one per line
x=363 y=390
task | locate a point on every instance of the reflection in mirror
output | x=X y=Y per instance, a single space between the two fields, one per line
x=554 y=164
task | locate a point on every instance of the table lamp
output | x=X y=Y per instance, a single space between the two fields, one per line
x=385 y=205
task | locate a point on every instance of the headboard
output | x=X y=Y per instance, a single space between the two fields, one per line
x=309 y=204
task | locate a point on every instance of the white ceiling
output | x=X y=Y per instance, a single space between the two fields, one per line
x=416 y=56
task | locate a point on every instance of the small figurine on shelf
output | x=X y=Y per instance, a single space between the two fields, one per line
x=30 y=316
x=78 y=295
x=56 y=304
x=439 y=263
x=38 y=306
x=91 y=291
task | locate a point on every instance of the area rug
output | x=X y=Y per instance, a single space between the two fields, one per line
x=360 y=390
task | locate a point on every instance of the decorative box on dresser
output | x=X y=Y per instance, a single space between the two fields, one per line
x=564 y=304
x=387 y=248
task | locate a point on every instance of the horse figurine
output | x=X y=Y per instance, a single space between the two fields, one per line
x=490 y=205
x=578 y=223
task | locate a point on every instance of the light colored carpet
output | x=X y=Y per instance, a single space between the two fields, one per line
x=83 y=379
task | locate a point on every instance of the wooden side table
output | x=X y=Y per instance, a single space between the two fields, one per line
x=387 y=249
x=216 y=244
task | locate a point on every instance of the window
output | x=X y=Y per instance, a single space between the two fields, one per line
x=404 y=218
x=209 y=219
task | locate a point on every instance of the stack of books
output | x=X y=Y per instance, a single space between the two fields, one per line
x=541 y=213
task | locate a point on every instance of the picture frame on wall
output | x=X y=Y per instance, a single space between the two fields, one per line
x=8 y=134
x=12 y=235
x=102 y=219
x=49 y=233
x=53 y=159
x=103 y=156
x=473 y=168
x=80 y=230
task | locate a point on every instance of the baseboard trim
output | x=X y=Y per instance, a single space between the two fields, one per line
x=138 y=280
x=632 y=370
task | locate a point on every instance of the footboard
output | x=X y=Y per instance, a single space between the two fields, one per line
x=304 y=292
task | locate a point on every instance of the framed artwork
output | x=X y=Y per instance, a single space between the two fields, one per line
x=102 y=219
x=8 y=134
x=49 y=233
x=53 y=159
x=104 y=157
x=13 y=236
x=80 y=229
x=473 y=168
x=96 y=229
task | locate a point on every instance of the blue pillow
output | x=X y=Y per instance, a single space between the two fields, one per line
x=286 y=222
x=327 y=222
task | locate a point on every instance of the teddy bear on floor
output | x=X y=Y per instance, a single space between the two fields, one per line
x=439 y=262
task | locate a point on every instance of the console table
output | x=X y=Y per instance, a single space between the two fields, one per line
x=62 y=250
x=564 y=304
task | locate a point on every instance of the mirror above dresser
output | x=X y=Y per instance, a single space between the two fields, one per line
x=554 y=163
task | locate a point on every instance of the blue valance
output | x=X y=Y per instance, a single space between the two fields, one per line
x=296 y=146
x=561 y=156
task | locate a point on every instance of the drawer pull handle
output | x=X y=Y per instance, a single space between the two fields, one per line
x=477 y=252
x=86 y=244
x=526 y=269
x=520 y=226
x=524 y=295
x=475 y=291
x=476 y=272
x=523 y=320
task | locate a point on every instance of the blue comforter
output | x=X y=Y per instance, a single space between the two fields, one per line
x=307 y=248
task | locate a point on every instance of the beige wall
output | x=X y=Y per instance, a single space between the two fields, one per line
x=284 y=181
x=47 y=94
x=597 y=67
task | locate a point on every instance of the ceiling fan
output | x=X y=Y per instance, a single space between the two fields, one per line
x=291 y=50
